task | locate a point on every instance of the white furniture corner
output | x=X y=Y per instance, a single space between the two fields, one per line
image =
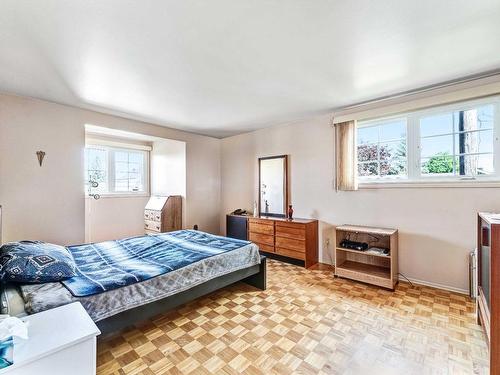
x=61 y=341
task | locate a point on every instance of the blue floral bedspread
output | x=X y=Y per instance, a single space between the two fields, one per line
x=113 y=264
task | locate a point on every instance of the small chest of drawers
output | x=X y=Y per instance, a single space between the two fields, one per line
x=297 y=238
x=163 y=214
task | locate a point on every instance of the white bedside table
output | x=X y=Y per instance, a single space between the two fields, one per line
x=61 y=341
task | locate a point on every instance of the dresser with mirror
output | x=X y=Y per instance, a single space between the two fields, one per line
x=289 y=239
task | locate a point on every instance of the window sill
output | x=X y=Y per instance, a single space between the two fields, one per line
x=430 y=184
x=120 y=195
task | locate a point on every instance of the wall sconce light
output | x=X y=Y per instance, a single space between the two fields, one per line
x=40 y=155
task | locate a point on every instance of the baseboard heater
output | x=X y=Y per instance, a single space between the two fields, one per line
x=473 y=273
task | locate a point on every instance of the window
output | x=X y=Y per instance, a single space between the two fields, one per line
x=444 y=143
x=458 y=143
x=116 y=170
x=382 y=149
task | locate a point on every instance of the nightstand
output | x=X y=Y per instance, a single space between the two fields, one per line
x=61 y=341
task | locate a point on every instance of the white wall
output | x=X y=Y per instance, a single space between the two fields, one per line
x=111 y=218
x=41 y=203
x=168 y=170
x=436 y=225
x=48 y=203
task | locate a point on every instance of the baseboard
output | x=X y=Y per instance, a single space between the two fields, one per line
x=436 y=285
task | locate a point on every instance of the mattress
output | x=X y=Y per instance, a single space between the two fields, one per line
x=109 y=265
x=40 y=297
x=11 y=300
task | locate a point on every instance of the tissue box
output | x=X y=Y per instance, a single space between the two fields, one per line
x=6 y=352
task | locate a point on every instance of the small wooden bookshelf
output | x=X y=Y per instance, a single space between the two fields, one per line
x=368 y=266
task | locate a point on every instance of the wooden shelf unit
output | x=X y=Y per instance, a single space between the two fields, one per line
x=376 y=269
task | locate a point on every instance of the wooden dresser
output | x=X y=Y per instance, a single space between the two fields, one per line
x=163 y=214
x=488 y=277
x=296 y=239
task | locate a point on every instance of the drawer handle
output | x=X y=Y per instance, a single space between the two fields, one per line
x=157 y=227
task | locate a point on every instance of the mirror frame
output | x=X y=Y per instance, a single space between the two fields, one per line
x=285 y=186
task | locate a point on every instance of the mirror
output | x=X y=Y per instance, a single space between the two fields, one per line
x=273 y=186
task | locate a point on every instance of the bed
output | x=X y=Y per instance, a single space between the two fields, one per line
x=122 y=282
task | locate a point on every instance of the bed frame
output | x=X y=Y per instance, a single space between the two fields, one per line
x=254 y=275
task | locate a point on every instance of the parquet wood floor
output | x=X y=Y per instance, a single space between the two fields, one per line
x=306 y=322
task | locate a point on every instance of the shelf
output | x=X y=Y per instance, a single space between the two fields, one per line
x=367 y=269
x=368 y=230
x=363 y=253
x=371 y=268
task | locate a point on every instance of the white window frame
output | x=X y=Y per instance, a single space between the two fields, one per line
x=375 y=122
x=111 y=169
x=415 y=177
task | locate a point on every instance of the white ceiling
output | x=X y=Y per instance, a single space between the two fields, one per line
x=222 y=67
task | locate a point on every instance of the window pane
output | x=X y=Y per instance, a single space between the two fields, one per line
x=439 y=164
x=436 y=124
x=367 y=152
x=96 y=169
x=474 y=119
x=485 y=165
x=382 y=149
x=368 y=169
x=485 y=116
x=136 y=158
x=367 y=134
x=394 y=167
x=474 y=142
x=129 y=171
x=134 y=168
x=475 y=165
x=121 y=167
x=121 y=176
x=394 y=130
x=121 y=185
x=121 y=156
x=436 y=145
x=391 y=150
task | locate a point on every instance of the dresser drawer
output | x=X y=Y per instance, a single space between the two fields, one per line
x=290 y=224
x=256 y=220
x=264 y=247
x=295 y=232
x=291 y=253
x=152 y=225
x=261 y=238
x=260 y=228
x=291 y=244
x=152 y=215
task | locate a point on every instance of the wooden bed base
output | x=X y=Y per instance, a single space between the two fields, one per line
x=254 y=275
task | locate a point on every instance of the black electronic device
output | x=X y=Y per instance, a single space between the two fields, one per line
x=354 y=245
x=239 y=211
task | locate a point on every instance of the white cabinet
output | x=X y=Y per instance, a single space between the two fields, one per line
x=61 y=341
